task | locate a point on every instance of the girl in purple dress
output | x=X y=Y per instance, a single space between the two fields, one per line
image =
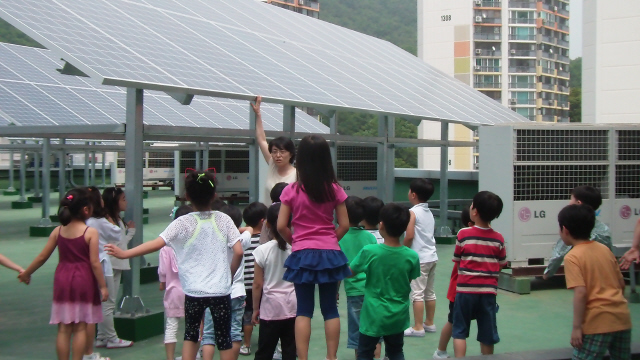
x=78 y=283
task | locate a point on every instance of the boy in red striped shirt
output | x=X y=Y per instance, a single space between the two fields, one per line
x=480 y=255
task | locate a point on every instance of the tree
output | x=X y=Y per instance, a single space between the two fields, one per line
x=10 y=34
x=575 y=70
x=575 y=100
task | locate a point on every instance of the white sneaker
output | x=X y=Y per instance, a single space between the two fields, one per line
x=411 y=332
x=100 y=343
x=119 y=343
x=429 y=328
x=245 y=350
x=94 y=356
x=277 y=355
x=441 y=355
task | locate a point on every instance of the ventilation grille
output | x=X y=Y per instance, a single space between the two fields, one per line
x=537 y=145
x=555 y=182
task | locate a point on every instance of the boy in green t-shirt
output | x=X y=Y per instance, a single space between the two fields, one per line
x=389 y=269
x=351 y=244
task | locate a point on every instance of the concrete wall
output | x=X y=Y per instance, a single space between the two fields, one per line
x=611 y=61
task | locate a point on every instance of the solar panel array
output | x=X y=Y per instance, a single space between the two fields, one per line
x=33 y=92
x=240 y=48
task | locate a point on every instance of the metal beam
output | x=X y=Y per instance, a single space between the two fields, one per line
x=333 y=146
x=205 y=156
x=36 y=173
x=389 y=180
x=444 y=181
x=382 y=158
x=56 y=131
x=62 y=171
x=11 y=171
x=254 y=158
x=131 y=303
x=93 y=165
x=86 y=165
x=177 y=175
x=46 y=182
x=23 y=175
x=184 y=99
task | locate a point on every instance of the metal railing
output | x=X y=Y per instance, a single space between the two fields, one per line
x=487 y=85
x=522 y=101
x=518 y=37
x=523 y=4
x=487 y=36
x=563 y=89
x=563 y=27
x=564 y=59
x=495 y=69
x=484 y=52
x=562 y=11
x=548 y=118
x=522 y=85
x=563 y=73
x=528 y=53
x=487 y=3
x=547 y=39
x=522 y=69
x=563 y=43
x=549 y=71
x=521 y=21
x=548 y=86
x=564 y=104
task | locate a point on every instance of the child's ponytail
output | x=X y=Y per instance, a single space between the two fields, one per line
x=72 y=205
x=272 y=221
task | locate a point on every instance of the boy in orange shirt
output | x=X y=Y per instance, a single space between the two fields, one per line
x=601 y=318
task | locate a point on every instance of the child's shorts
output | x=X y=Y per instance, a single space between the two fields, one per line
x=450 y=316
x=354 y=306
x=595 y=346
x=237 y=310
x=422 y=287
x=481 y=307
x=220 y=309
x=248 y=309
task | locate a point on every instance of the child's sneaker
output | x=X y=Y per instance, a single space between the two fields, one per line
x=411 y=332
x=119 y=343
x=441 y=355
x=245 y=350
x=429 y=328
x=94 y=356
x=277 y=355
x=100 y=343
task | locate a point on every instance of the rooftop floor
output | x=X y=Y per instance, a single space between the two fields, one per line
x=541 y=320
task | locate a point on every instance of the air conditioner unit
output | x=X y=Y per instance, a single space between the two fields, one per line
x=478 y=19
x=534 y=183
x=478 y=51
x=550 y=102
x=476 y=67
x=496 y=30
x=478 y=2
x=555 y=8
x=513 y=102
x=513 y=52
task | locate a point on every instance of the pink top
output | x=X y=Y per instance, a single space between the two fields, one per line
x=312 y=223
x=168 y=274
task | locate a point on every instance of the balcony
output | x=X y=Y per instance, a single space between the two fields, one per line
x=548 y=118
x=563 y=119
x=546 y=39
x=548 y=7
x=522 y=69
x=547 y=55
x=563 y=89
x=563 y=12
x=563 y=74
x=563 y=43
x=487 y=36
x=564 y=59
x=487 y=85
x=522 y=53
x=522 y=101
x=522 y=21
x=522 y=4
x=522 y=85
x=492 y=69
x=550 y=87
x=490 y=53
x=563 y=27
x=548 y=71
x=564 y=104
x=487 y=3
x=522 y=37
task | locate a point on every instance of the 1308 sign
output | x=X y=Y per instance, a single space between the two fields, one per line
x=445 y=18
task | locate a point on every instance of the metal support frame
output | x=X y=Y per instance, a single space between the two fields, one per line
x=254 y=158
x=444 y=177
x=93 y=166
x=205 y=157
x=390 y=157
x=131 y=303
x=36 y=173
x=176 y=173
x=86 y=165
x=198 y=156
x=104 y=175
x=11 y=171
x=289 y=121
x=382 y=156
x=333 y=146
x=62 y=171
x=23 y=176
x=46 y=182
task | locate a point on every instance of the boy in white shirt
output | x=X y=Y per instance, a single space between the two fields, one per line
x=419 y=237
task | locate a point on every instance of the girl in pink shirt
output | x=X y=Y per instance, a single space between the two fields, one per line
x=173 y=295
x=316 y=257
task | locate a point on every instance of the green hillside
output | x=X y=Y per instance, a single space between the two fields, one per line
x=10 y=34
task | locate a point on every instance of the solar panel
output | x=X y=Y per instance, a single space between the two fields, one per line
x=239 y=48
x=33 y=92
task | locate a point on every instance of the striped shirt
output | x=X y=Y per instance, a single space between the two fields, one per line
x=249 y=262
x=480 y=254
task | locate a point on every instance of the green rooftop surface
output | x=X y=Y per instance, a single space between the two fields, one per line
x=541 y=320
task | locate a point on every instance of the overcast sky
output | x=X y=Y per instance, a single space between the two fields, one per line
x=575 y=27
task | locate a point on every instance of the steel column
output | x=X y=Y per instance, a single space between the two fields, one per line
x=46 y=182
x=333 y=146
x=131 y=303
x=93 y=166
x=62 y=171
x=11 y=171
x=23 y=175
x=198 y=157
x=289 y=120
x=176 y=173
x=86 y=165
x=205 y=157
x=36 y=173
x=254 y=158
x=390 y=178
x=382 y=158
x=444 y=176
x=104 y=175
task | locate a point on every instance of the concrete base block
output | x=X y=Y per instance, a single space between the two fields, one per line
x=446 y=240
x=145 y=220
x=54 y=218
x=35 y=199
x=148 y=274
x=145 y=194
x=139 y=327
x=145 y=211
x=10 y=192
x=518 y=285
x=21 y=205
x=41 y=231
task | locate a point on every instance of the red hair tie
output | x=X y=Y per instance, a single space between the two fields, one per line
x=70 y=197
